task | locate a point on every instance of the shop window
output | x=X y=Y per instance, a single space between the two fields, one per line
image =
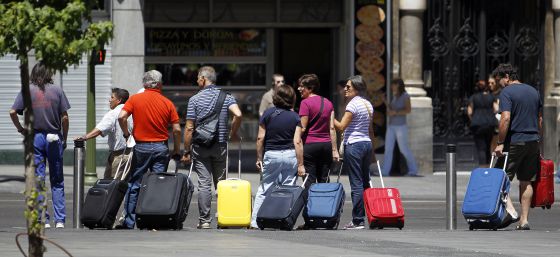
x=228 y=74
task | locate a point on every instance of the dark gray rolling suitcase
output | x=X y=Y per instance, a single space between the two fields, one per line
x=282 y=206
x=104 y=199
x=164 y=200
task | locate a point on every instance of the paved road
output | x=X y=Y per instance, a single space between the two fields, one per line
x=424 y=233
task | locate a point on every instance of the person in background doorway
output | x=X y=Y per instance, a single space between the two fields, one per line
x=481 y=109
x=266 y=101
x=495 y=89
x=397 y=130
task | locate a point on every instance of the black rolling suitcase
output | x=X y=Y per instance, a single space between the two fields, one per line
x=104 y=199
x=282 y=206
x=164 y=200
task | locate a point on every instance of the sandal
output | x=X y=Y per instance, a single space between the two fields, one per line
x=523 y=227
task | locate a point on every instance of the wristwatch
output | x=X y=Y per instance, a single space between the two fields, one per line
x=500 y=143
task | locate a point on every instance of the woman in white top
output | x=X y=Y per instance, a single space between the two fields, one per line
x=358 y=150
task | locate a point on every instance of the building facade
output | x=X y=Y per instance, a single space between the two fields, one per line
x=439 y=47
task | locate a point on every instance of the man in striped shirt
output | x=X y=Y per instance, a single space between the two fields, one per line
x=209 y=161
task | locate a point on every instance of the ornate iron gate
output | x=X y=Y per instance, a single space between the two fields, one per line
x=465 y=41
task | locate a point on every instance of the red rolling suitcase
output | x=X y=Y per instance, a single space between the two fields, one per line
x=543 y=187
x=383 y=206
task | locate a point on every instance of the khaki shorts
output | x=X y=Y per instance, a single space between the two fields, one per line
x=113 y=163
x=523 y=161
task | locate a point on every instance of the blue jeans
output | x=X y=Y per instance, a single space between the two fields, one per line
x=398 y=134
x=279 y=166
x=51 y=152
x=357 y=157
x=152 y=156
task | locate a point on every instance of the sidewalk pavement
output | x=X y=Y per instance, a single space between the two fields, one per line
x=430 y=187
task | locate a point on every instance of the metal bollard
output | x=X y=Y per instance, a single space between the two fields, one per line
x=79 y=165
x=451 y=188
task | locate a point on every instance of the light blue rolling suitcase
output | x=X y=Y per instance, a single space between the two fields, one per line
x=324 y=204
x=484 y=206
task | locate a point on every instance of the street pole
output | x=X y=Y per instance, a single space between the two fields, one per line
x=91 y=173
x=451 y=188
x=78 y=196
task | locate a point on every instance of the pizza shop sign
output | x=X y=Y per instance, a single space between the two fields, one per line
x=204 y=42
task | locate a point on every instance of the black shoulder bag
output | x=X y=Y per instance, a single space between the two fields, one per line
x=206 y=131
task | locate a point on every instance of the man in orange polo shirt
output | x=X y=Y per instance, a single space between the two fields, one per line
x=152 y=113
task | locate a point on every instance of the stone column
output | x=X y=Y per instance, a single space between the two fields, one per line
x=552 y=79
x=420 y=121
x=553 y=17
x=127 y=45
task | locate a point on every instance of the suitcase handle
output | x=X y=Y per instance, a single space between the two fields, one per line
x=339 y=170
x=304 y=180
x=492 y=160
x=380 y=176
x=123 y=175
x=238 y=161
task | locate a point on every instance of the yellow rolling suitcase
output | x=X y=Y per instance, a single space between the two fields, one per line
x=234 y=199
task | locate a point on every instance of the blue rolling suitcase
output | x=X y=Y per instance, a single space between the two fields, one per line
x=324 y=203
x=484 y=206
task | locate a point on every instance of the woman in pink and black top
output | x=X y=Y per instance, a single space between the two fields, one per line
x=319 y=135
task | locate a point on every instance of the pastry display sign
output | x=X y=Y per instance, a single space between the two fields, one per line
x=369 y=43
x=205 y=42
x=370 y=57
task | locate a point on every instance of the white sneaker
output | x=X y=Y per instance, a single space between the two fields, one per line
x=59 y=225
x=47 y=226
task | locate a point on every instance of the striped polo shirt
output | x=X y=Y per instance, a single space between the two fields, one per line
x=203 y=102
x=358 y=130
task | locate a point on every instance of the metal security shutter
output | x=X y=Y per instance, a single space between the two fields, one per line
x=74 y=85
x=10 y=85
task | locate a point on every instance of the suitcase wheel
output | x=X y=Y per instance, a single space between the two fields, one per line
x=549 y=206
x=335 y=227
x=262 y=228
x=471 y=228
x=495 y=228
x=401 y=225
x=543 y=207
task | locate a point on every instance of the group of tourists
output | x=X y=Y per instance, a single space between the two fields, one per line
x=289 y=144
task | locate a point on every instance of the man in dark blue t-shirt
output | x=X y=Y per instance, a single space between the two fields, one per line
x=520 y=128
